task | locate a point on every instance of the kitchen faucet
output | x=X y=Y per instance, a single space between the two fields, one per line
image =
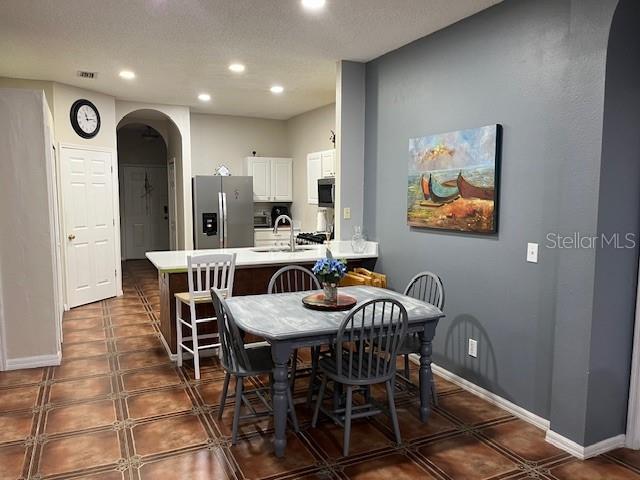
x=292 y=243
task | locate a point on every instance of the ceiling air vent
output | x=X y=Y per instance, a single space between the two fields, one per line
x=90 y=75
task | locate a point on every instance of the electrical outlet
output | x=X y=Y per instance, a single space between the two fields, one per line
x=473 y=348
x=532 y=252
x=347 y=213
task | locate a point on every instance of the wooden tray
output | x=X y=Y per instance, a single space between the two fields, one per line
x=316 y=301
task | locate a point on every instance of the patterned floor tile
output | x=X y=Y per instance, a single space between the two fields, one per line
x=255 y=459
x=466 y=457
x=79 y=452
x=162 y=402
x=470 y=409
x=12 y=460
x=150 y=378
x=16 y=427
x=396 y=467
x=168 y=434
x=84 y=389
x=21 y=377
x=80 y=417
x=523 y=439
x=200 y=465
x=593 y=469
x=18 y=398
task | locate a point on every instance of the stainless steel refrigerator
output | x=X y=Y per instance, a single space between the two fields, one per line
x=222 y=211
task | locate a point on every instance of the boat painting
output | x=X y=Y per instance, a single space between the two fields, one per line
x=453 y=182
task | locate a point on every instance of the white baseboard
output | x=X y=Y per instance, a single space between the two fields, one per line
x=34 y=362
x=581 y=452
x=490 y=397
x=552 y=437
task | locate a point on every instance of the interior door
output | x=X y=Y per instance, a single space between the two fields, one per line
x=146 y=212
x=134 y=212
x=87 y=198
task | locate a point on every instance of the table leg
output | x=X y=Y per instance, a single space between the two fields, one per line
x=426 y=377
x=280 y=354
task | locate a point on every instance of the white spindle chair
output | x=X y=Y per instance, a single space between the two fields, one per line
x=218 y=271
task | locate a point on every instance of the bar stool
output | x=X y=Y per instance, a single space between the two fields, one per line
x=210 y=271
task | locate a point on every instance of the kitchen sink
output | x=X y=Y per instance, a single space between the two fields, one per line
x=280 y=249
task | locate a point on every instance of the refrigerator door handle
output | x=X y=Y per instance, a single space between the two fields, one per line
x=224 y=218
x=223 y=223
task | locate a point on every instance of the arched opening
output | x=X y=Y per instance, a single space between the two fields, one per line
x=150 y=177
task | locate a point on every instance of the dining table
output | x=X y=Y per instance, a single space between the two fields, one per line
x=287 y=324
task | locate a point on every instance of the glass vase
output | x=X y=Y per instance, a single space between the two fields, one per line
x=358 y=242
x=330 y=292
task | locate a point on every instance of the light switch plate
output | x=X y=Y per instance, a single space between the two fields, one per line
x=532 y=252
x=346 y=213
x=473 y=348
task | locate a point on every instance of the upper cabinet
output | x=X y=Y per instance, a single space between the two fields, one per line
x=319 y=165
x=328 y=163
x=272 y=178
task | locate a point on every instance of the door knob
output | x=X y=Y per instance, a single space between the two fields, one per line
x=71 y=236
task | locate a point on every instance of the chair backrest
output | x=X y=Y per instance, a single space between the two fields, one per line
x=293 y=278
x=369 y=338
x=207 y=271
x=427 y=286
x=233 y=355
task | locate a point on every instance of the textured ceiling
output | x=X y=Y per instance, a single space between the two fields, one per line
x=179 y=48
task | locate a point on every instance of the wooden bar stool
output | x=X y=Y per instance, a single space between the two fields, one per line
x=205 y=271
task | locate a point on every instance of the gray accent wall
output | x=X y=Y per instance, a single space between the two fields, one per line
x=538 y=68
x=350 y=122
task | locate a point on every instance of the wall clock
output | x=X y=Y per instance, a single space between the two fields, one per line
x=85 y=118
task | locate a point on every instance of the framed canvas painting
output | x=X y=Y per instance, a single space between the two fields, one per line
x=453 y=180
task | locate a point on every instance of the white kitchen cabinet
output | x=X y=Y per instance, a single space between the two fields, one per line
x=319 y=165
x=314 y=172
x=272 y=178
x=328 y=163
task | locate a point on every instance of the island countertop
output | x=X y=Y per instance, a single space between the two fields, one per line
x=176 y=261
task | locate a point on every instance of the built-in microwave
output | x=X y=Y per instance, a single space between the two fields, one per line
x=326 y=192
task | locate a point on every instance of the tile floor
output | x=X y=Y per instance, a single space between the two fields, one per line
x=118 y=409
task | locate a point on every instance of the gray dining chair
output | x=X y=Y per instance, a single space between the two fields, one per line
x=294 y=278
x=242 y=360
x=366 y=349
x=427 y=287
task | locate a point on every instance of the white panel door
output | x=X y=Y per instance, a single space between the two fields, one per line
x=145 y=210
x=260 y=169
x=281 y=180
x=87 y=197
x=314 y=172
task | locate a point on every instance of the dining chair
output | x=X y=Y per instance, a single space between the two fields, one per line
x=427 y=287
x=241 y=361
x=366 y=349
x=204 y=271
x=294 y=278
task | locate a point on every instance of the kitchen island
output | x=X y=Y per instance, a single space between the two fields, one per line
x=254 y=268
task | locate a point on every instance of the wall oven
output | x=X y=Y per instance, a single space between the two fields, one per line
x=326 y=192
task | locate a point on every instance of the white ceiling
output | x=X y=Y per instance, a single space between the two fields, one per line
x=179 y=48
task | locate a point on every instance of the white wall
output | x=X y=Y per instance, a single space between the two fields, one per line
x=45 y=86
x=223 y=139
x=27 y=260
x=307 y=133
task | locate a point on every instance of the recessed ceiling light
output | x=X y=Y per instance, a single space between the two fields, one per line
x=204 y=97
x=277 y=89
x=237 y=67
x=313 y=4
x=127 y=74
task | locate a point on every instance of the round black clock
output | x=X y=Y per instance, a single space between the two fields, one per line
x=85 y=118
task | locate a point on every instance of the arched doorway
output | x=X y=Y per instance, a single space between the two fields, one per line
x=149 y=172
x=143 y=190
